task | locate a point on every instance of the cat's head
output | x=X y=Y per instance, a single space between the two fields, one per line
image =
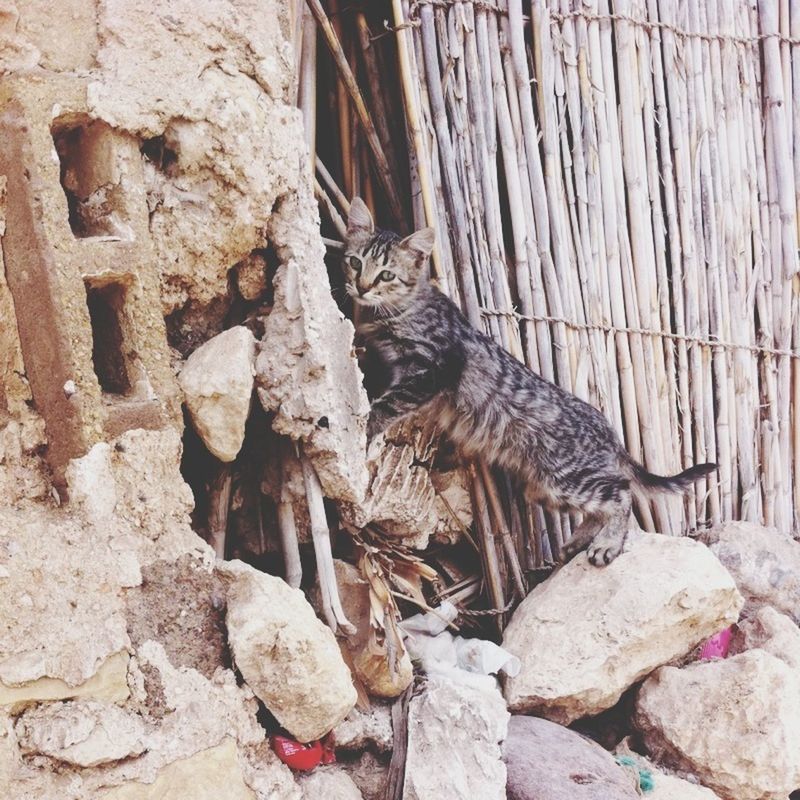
x=380 y=268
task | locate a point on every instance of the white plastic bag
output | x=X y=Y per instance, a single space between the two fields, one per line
x=428 y=641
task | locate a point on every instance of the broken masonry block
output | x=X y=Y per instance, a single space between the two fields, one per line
x=81 y=268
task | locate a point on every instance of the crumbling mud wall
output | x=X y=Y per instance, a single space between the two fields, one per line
x=154 y=190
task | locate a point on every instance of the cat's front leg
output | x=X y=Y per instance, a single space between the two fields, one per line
x=399 y=401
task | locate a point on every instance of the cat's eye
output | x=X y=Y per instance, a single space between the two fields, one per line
x=386 y=275
x=355 y=263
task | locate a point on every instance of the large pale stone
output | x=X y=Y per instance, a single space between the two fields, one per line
x=586 y=634
x=217 y=382
x=770 y=631
x=83 y=732
x=329 y=783
x=764 y=562
x=372 y=668
x=454 y=735
x=734 y=723
x=208 y=775
x=285 y=653
x=548 y=762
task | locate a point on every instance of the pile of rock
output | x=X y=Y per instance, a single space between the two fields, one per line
x=107 y=695
x=727 y=728
x=621 y=645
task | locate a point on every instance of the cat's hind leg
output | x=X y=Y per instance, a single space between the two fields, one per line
x=582 y=537
x=610 y=540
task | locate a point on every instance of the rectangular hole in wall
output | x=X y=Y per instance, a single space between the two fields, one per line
x=106 y=311
x=90 y=177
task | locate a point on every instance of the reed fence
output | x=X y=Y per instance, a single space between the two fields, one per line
x=615 y=187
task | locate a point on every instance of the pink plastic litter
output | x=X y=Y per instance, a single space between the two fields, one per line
x=717 y=646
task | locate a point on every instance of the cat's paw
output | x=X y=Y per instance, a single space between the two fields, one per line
x=605 y=548
x=571 y=548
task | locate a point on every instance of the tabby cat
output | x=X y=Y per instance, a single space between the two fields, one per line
x=491 y=406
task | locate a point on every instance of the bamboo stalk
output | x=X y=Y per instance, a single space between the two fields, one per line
x=307 y=83
x=784 y=244
x=377 y=93
x=346 y=150
x=456 y=210
x=346 y=74
x=412 y=117
x=629 y=354
x=219 y=503
x=492 y=572
x=293 y=569
x=320 y=534
x=333 y=214
x=330 y=184
x=502 y=529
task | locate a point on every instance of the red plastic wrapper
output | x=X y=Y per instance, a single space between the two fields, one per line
x=296 y=755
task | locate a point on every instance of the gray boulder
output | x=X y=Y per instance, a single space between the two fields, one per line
x=548 y=762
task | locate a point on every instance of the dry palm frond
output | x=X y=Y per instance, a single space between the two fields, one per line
x=392 y=571
x=385 y=641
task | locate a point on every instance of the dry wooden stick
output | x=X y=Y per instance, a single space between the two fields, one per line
x=333 y=213
x=346 y=74
x=320 y=534
x=600 y=89
x=784 y=245
x=637 y=278
x=456 y=209
x=412 y=117
x=219 y=503
x=307 y=84
x=346 y=151
x=583 y=199
x=395 y=778
x=333 y=188
x=286 y=523
x=378 y=95
x=502 y=530
x=492 y=570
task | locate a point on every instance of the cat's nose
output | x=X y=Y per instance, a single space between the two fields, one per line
x=360 y=289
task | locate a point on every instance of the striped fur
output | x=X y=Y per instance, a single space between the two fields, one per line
x=561 y=449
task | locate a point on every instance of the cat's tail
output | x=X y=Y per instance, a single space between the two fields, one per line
x=672 y=483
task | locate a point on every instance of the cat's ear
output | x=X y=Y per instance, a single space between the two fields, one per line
x=420 y=242
x=359 y=220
